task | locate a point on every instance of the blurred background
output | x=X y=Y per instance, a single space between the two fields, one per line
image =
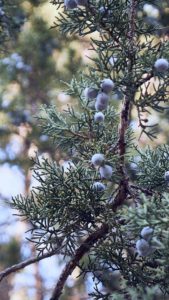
x=34 y=64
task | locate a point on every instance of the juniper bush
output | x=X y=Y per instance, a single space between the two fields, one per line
x=98 y=228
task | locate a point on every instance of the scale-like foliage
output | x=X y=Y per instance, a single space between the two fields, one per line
x=95 y=205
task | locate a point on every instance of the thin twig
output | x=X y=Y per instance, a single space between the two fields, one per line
x=24 y=264
x=145 y=191
x=78 y=134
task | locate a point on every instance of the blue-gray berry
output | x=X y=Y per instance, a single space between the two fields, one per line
x=99 y=117
x=106 y=171
x=107 y=85
x=143 y=248
x=2 y=13
x=90 y=93
x=101 y=101
x=147 y=233
x=161 y=65
x=102 y=10
x=70 y=4
x=97 y=159
x=166 y=176
x=98 y=186
x=82 y=2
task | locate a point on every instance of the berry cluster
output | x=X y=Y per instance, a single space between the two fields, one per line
x=15 y=61
x=143 y=245
x=98 y=160
x=102 y=97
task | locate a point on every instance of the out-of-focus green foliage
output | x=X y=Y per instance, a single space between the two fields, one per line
x=34 y=61
x=31 y=74
x=10 y=253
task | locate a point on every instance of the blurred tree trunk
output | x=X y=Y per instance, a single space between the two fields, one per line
x=5 y=288
x=39 y=285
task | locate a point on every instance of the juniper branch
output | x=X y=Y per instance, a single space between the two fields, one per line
x=125 y=112
x=123 y=186
x=80 y=252
x=145 y=191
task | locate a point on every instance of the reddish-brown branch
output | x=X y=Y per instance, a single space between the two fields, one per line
x=80 y=252
x=123 y=185
x=125 y=112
